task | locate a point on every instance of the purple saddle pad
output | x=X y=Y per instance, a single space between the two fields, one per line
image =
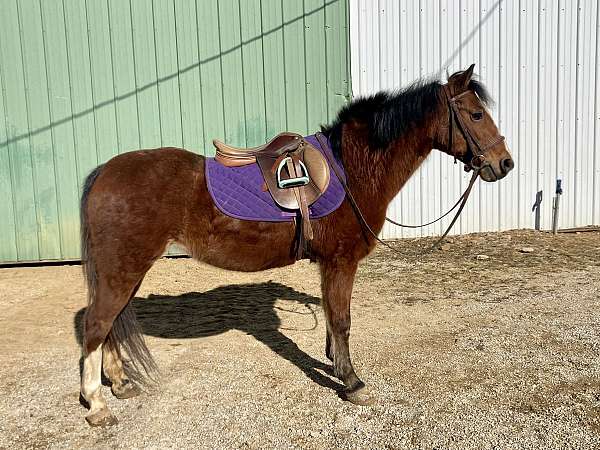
x=238 y=191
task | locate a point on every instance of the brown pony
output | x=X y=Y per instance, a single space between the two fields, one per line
x=138 y=203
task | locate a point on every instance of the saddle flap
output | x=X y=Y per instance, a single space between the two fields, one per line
x=318 y=172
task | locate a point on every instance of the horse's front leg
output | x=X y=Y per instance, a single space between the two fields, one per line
x=337 y=279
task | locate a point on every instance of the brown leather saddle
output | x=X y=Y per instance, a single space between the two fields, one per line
x=296 y=174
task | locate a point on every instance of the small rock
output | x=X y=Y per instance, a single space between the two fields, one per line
x=445 y=247
x=527 y=250
x=482 y=257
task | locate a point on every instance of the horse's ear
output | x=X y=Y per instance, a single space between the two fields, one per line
x=461 y=79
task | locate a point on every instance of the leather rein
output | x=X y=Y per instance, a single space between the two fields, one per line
x=477 y=162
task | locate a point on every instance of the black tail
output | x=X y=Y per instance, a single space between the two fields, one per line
x=125 y=333
x=87 y=263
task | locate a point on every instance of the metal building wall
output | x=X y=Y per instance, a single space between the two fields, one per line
x=539 y=59
x=81 y=81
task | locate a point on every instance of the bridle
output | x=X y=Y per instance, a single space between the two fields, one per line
x=475 y=149
x=477 y=161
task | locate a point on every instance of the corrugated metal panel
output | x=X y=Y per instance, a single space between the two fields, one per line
x=539 y=60
x=81 y=81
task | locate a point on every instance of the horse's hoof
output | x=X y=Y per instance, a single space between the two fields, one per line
x=102 y=418
x=361 y=396
x=125 y=390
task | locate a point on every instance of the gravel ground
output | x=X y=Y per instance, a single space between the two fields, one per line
x=462 y=351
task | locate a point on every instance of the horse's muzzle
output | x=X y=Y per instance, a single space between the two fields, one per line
x=494 y=172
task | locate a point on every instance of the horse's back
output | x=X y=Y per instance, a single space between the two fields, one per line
x=143 y=200
x=167 y=166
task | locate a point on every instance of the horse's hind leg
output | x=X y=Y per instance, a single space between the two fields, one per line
x=337 y=279
x=99 y=414
x=99 y=318
x=112 y=365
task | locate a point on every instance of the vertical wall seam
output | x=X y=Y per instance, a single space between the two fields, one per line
x=360 y=56
x=200 y=79
x=401 y=198
x=306 y=118
x=87 y=27
x=480 y=198
x=440 y=72
x=500 y=54
x=285 y=99
x=537 y=105
x=348 y=52
x=519 y=92
x=135 y=74
x=8 y=154
x=595 y=180
x=558 y=37
x=262 y=50
x=380 y=84
x=112 y=67
x=221 y=71
x=460 y=64
x=178 y=76
x=75 y=146
x=52 y=135
x=421 y=168
x=160 y=125
x=243 y=75
x=33 y=169
x=577 y=114
x=326 y=60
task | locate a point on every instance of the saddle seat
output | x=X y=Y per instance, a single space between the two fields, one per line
x=235 y=156
x=296 y=174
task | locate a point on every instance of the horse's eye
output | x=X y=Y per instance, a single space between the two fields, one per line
x=477 y=116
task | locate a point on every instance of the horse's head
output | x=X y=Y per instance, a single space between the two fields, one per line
x=468 y=131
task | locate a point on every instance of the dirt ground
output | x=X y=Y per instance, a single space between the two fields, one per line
x=462 y=352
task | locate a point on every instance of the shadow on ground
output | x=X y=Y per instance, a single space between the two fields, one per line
x=246 y=307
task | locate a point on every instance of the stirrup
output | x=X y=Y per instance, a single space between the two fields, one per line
x=291 y=182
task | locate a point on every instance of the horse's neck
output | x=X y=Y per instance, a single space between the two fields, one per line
x=376 y=176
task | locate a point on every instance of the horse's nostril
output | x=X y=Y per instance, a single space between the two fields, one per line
x=507 y=165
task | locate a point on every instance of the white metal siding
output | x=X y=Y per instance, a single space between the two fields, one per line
x=539 y=60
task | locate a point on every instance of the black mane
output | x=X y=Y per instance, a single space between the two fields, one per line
x=388 y=115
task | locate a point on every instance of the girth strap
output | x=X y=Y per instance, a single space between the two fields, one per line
x=305 y=234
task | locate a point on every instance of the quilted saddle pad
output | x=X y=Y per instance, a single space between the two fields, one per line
x=238 y=191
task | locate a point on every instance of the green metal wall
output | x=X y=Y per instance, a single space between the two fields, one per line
x=82 y=81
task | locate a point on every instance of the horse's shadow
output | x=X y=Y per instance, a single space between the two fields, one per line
x=246 y=307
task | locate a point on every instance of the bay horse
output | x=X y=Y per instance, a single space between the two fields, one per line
x=136 y=204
